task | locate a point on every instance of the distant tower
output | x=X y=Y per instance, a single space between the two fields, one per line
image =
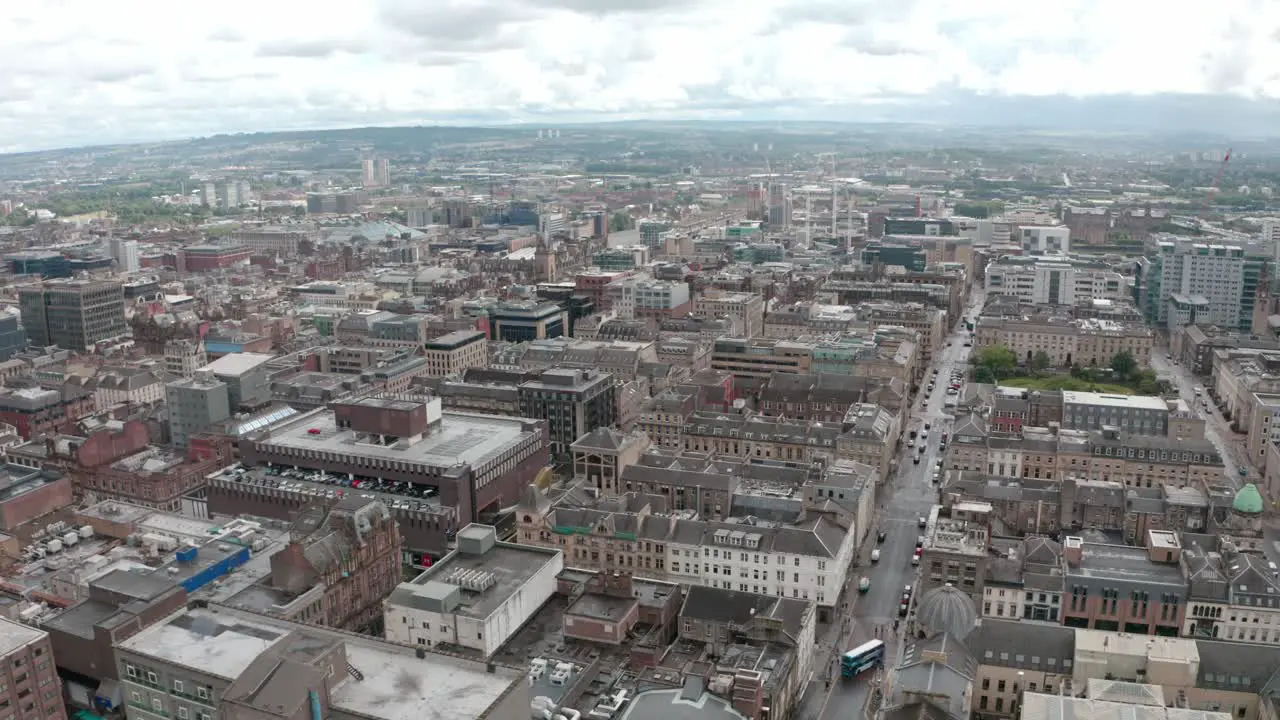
x=540 y=134
x=544 y=261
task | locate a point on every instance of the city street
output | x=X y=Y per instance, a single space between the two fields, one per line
x=1217 y=429
x=910 y=494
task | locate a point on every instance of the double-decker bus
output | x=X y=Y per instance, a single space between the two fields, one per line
x=863 y=657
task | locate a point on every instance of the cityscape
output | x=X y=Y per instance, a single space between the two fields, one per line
x=679 y=419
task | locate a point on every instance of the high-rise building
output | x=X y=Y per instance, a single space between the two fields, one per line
x=1186 y=282
x=125 y=253
x=651 y=232
x=73 y=314
x=209 y=195
x=228 y=195
x=376 y=172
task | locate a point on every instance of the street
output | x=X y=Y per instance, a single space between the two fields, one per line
x=1216 y=429
x=911 y=494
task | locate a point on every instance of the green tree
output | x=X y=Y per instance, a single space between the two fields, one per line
x=621 y=221
x=1040 y=361
x=983 y=374
x=998 y=359
x=1124 y=365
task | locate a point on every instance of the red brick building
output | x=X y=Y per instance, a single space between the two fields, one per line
x=35 y=411
x=204 y=258
x=27 y=494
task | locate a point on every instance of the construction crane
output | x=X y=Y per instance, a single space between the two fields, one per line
x=1217 y=180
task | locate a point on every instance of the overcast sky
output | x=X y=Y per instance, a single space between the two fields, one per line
x=76 y=72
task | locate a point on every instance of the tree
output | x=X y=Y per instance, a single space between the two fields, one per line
x=1124 y=365
x=998 y=359
x=1040 y=361
x=983 y=374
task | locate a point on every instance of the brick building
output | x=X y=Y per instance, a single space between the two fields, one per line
x=29 y=684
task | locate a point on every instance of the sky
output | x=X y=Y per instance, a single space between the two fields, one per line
x=77 y=72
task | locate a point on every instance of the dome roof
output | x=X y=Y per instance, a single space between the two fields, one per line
x=1248 y=500
x=947 y=610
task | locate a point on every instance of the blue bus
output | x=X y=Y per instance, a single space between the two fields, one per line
x=863 y=657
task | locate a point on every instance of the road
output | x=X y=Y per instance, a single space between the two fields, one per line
x=910 y=494
x=1216 y=429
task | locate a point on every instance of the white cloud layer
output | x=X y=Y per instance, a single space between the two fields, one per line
x=84 y=71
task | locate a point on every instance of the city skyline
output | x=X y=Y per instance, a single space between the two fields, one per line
x=81 y=73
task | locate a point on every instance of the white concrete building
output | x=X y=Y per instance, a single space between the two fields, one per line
x=477 y=597
x=1054 y=280
x=809 y=564
x=1045 y=239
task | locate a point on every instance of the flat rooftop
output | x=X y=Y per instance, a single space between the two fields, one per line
x=1104 y=642
x=397 y=683
x=459 y=439
x=1141 y=402
x=1124 y=563
x=237 y=363
x=15 y=635
x=511 y=566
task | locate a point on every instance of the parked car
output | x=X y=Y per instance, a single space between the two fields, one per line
x=875 y=555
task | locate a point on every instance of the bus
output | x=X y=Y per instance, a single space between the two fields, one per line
x=863 y=657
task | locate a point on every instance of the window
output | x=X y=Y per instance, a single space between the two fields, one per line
x=204 y=715
x=131 y=671
x=202 y=693
x=157 y=705
x=183 y=713
x=177 y=686
x=135 y=696
x=151 y=678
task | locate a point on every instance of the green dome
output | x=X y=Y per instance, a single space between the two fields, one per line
x=1248 y=500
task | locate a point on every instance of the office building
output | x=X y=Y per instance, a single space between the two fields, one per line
x=46 y=264
x=73 y=314
x=1054 y=280
x=1185 y=282
x=745 y=309
x=517 y=322
x=246 y=378
x=453 y=353
x=195 y=405
x=1045 y=239
x=573 y=402
x=29 y=685
x=1066 y=341
x=641 y=298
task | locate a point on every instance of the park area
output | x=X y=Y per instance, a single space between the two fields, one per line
x=1124 y=376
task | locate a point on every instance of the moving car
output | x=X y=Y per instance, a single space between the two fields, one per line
x=864 y=584
x=880 y=536
x=921 y=522
x=875 y=555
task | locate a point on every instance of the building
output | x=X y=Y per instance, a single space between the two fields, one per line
x=1187 y=282
x=517 y=322
x=28 y=494
x=73 y=314
x=1130 y=414
x=208 y=258
x=955 y=548
x=1045 y=239
x=1066 y=341
x=376 y=172
x=642 y=298
x=13 y=337
x=125 y=253
x=572 y=402
x=651 y=233
x=476 y=597
x=745 y=309
x=34 y=411
x=182 y=358
x=246 y=376
x=195 y=405
x=471 y=463
x=46 y=264
x=31 y=686
x=341 y=563
x=453 y=353
x=212 y=662
x=1056 y=280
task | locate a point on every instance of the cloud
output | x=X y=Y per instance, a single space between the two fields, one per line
x=89 y=72
x=309 y=49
